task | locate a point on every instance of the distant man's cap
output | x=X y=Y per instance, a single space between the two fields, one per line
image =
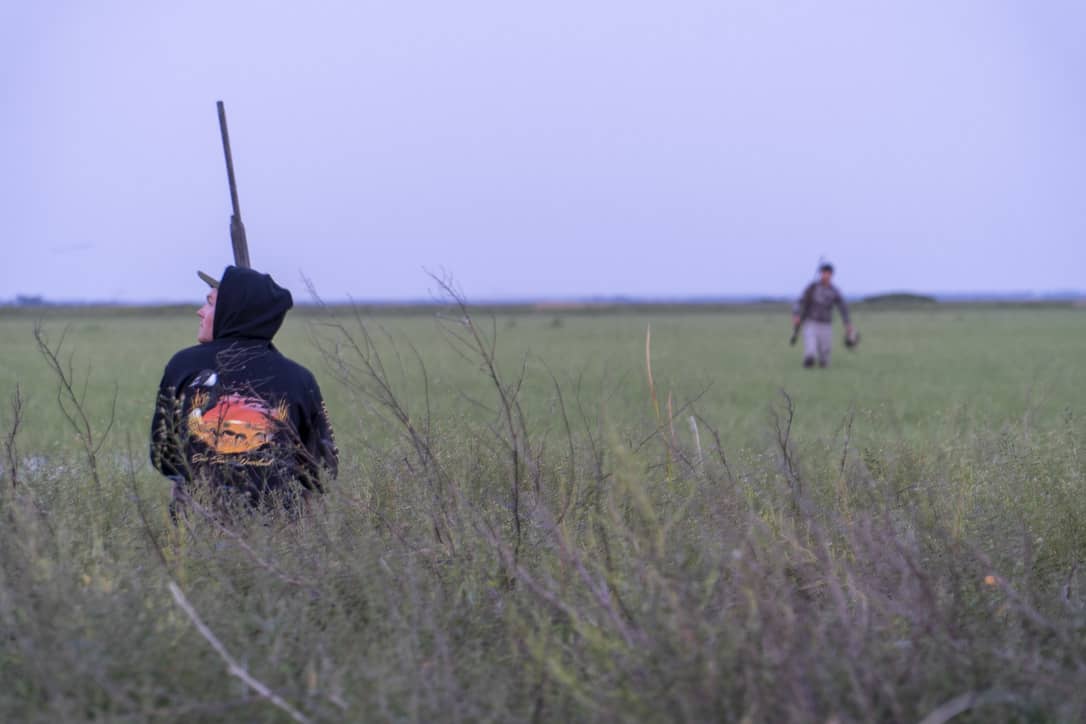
x=211 y=281
x=827 y=267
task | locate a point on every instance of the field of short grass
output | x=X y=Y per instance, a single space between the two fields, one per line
x=524 y=529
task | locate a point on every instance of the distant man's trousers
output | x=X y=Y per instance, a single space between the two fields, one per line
x=817 y=343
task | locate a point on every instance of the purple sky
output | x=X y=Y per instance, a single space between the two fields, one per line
x=551 y=149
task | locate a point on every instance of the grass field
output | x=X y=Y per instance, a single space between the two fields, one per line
x=893 y=537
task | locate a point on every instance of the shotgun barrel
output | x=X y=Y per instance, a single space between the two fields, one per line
x=237 y=229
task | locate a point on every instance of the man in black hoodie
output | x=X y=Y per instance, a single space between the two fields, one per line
x=236 y=415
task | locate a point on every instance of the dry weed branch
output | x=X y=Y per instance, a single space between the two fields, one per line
x=11 y=450
x=73 y=404
x=232 y=664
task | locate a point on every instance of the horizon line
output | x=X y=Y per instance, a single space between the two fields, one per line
x=1057 y=295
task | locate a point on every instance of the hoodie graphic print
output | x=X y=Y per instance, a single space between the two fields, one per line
x=235 y=411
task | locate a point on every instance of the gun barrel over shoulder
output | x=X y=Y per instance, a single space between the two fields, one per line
x=237 y=229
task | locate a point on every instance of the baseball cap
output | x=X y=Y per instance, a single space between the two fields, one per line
x=211 y=281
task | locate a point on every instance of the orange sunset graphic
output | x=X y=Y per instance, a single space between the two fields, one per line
x=235 y=424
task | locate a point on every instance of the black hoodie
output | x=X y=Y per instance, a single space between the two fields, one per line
x=234 y=410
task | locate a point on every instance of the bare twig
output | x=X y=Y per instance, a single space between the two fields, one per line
x=964 y=702
x=719 y=447
x=848 y=438
x=140 y=510
x=366 y=374
x=1068 y=588
x=73 y=404
x=572 y=492
x=232 y=665
x=681 y=410
x=784 y=443
x=249 y=550
x=11 y=451
x=512 y=414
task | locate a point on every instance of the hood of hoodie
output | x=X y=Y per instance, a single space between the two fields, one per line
x=250 y=305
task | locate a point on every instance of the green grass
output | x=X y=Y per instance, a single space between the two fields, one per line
x=919 y=375
x=840 y=573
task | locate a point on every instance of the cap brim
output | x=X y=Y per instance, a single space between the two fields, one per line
x=211 y=281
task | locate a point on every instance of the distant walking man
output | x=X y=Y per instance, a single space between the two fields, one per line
x=235 y=420
x=814 y=311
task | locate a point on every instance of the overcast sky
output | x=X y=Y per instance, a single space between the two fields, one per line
x=544 y=149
